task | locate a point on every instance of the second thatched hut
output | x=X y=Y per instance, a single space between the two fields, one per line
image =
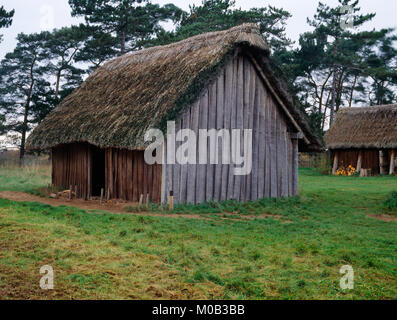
x=365 y=138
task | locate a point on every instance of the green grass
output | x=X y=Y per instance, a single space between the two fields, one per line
x=24 y=179
x=296 y=256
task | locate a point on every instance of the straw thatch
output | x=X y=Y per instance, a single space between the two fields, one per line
x=120 y=101
x=370 y=127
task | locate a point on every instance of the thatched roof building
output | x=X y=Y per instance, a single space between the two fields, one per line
x=370 y=127
x=220 y=80
x=120 y=101
x=373 y=129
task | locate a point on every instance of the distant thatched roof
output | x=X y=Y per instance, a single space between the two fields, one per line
x=120 y=101
x=370 y=127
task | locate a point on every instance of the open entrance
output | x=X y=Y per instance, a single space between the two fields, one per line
x=98 y=170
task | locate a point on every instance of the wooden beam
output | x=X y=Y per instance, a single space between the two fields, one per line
x=359 y=161
x=295 y=167
x=392 y=161
x=296 y=135
x=336 y=162
x=274 y=93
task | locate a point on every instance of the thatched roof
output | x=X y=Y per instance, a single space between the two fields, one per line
x=130 y=94
x=370 y=127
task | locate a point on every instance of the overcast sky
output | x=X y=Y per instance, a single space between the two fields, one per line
x=37 y=15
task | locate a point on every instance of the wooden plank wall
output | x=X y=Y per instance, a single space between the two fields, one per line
x=237 y=99
x=370 y=158
x=128 y=176
x=71 y=167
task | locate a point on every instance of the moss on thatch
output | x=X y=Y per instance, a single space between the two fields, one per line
x=130 y=94
x=370 y=127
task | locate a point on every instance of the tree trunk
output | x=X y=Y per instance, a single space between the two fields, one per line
x=24 y=129
x=122 y=41
x=57 y=83
x=352 y=91
x=334 y=84
x=26 y=113
x=339 y=92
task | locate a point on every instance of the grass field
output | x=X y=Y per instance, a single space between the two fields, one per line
x=297 y=254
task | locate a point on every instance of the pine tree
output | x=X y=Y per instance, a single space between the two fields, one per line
x=216 y=15
x=131 y=21
x=20 y=77
x=382 y=70
x=62 y=46
x=328 y=24
x=98 y=47
x=5 y=19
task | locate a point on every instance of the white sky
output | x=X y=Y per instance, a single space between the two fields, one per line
x=37 y=15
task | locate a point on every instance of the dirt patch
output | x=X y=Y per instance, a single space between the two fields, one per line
x=118 y=207
x=384 y=217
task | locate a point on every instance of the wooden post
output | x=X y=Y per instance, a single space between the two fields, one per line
x=295 y=168
x=359 y=161
x=108 y=195
x=70 y=192
x=101 y=196
x=392 y=161
x=147 y=199
x=381 y=162
x=171 y=200
x=295 y=162
x=76 y=190
x=141 y=200
x=336 y=162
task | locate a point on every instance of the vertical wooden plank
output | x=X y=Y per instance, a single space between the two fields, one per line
x=211 y=157
x=290 y=163
x=111 y=182
x=164 y=176
x=139 y=161
x=233 y=84
x=152 y=183
x=283 y=155
x=220 y=105
x=245 y=190
x=135 y=190
x=130 y=175
x=273 y=153
x=145 y=177
x=279 y=154
x=185 y=124
x=228 y=89
x=257 y=143
x=177 y=169
x=295 y=166
x=261 y=147
x=250 y=95
x=202 y=168
x=192 y=168
x=89 y=171
x=159 y=174
x=239 y=119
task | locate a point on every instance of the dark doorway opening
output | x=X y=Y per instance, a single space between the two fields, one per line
x=98 y=171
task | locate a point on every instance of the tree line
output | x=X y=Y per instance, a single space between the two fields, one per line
x=330 y=67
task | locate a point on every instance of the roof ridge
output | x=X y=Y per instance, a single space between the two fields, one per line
x=240 y=31
x=369 y=108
